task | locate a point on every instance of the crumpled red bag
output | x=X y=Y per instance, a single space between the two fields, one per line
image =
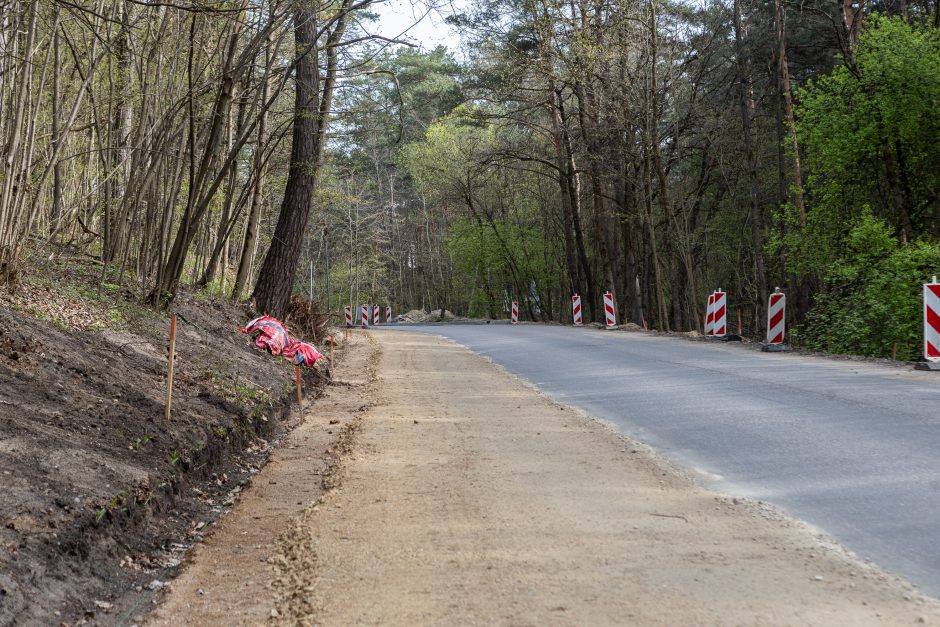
x=270 y=336
x=301 y=353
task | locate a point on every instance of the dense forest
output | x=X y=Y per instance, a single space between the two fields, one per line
x=656 y=149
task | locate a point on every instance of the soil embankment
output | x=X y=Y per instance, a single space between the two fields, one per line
x=101 y=496
x=228 y=578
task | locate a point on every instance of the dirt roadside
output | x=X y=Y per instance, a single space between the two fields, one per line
x=101 y=496
x=470 y=498
x=226 y=578
x=457 y=494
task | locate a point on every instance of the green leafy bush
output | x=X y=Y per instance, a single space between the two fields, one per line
x=870 y=132
x=872 y=295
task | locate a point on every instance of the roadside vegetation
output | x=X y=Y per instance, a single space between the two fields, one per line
x=655 y=149
x=216 y=159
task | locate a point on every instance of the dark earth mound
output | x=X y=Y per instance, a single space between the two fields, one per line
x=100 y=496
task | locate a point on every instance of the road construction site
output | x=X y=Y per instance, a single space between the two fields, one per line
x=477 y=489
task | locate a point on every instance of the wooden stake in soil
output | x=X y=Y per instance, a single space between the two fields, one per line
x=169 y=367
x=300 y=396
x=332 y=348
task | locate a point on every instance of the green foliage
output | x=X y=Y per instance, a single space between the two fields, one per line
x=482 y=266
x=427 y=85
x=447 y=164
x=869 y=134
x=498 y=240
x=117 y=503
x=870 y=138
x=872 y=296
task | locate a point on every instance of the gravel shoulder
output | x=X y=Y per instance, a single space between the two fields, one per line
x=468 y=497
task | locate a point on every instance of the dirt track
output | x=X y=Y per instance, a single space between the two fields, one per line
x=227 y=578
x=469 y=498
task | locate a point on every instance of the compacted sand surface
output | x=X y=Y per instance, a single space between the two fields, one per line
x=463 y=496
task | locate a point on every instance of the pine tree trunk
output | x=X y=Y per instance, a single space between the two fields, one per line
x=786 y=92
x=571 y=258
x=276 y=278
x=312 y=110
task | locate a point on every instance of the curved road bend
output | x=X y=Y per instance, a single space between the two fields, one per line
x=853 y=448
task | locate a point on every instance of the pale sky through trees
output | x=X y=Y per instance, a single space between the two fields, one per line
x=397 y=16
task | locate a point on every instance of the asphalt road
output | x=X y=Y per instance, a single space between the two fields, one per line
x=850 y=447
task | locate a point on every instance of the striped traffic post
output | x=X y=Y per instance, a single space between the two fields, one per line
x=931 y=326
x=776 y=323
x=576 y=310
x=776 y=317
x=365 y=316
x=388 y=313
x=515 y=313
x=375 y=314
x=347 y=311
x=720 y=314
x=609 y=310
x=710 y=315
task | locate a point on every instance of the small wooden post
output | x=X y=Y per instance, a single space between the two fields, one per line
x=169 y=367
x=739 y=322
x=300 y=396
x=894 y=351
x=332 y=348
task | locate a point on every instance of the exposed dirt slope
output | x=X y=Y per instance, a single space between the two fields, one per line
x=100 y=495
x=472 y=499
x=228 y=577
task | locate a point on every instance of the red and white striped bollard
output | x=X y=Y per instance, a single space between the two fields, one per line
x=515 y=313
x=776 y=317
x=347 y=311
x=710 y=315
x=932 y=321
x=375 y=315
x=365 y=316
x=720 y=316
x=609 y=310
x=388 y=313
x=576 y=310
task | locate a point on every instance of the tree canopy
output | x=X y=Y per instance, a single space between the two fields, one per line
x=656 y=149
